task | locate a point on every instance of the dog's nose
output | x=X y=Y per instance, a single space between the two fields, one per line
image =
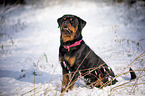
x=65 y=26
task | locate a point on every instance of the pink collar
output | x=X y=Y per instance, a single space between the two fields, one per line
x=73 y=45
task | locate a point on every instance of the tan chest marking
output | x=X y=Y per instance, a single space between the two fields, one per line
x=70 y=60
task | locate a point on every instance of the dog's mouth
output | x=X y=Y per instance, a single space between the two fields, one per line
x=66 y=31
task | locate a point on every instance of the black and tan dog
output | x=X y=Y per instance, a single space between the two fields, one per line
x=77 y=59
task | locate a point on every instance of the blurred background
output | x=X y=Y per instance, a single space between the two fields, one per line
x=46 y=2
x=30 y=39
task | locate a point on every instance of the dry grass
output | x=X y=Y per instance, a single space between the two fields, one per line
x=45 y=89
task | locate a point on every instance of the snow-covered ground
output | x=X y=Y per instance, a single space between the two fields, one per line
x=29 y=43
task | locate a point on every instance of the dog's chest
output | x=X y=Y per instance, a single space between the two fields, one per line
x=68 y=60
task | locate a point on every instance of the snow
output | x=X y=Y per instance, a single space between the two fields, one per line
x=29 y=41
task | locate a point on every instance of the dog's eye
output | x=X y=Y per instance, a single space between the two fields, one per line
x=64 y=18
x=71 y=19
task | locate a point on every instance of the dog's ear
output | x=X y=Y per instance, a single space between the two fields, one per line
x=82 y=23
x=59 y=21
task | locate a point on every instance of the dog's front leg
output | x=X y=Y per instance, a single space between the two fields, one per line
x=65 y=81
x=68 y=81
x=73 y=78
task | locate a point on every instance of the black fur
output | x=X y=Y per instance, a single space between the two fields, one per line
x=95 y=71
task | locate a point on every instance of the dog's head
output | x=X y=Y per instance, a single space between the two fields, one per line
x=70 y=27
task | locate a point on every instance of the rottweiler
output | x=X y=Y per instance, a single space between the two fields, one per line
x=77 y=59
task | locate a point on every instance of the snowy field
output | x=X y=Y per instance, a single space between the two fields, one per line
x=29 y=43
